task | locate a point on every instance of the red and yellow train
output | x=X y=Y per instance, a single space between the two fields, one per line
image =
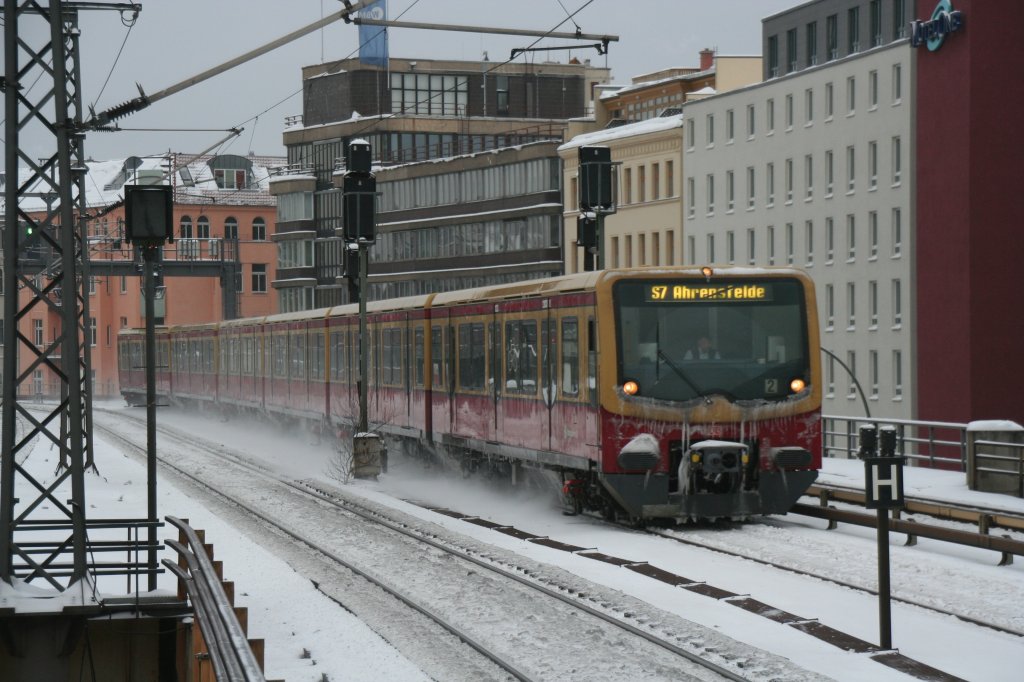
x=656 y=393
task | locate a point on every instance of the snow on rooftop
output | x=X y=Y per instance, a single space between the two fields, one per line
x=651 y=125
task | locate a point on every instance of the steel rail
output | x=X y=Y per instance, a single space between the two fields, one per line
x=354 y=509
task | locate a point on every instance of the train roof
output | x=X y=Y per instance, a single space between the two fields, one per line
x=581 y=281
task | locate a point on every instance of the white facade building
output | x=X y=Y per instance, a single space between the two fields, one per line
x=812 y=170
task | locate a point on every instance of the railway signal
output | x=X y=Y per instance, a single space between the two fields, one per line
x=596 y=198
x=883 y=490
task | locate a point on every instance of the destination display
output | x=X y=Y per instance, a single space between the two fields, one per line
x=659 y=292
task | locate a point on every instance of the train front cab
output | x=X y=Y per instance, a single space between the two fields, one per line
x=733 y=436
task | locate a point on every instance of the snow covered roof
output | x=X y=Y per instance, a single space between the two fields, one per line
x=651 y=125
x=192 y=178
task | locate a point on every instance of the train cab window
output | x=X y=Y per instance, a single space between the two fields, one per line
x=592 y=360
x=472 y=356
x=569 y=367
x=316 y=354
x=418 y=356
x=521 y=356
x=298 y=355
x=437 y=357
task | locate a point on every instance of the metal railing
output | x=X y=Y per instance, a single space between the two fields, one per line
x=226 y=641
x=940 y=445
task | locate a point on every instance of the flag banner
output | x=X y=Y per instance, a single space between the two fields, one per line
x=373 y=40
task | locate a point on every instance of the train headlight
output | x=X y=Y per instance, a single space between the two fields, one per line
x=797 y=385
x=695 y=457
x=630 y=388
x=745 y=458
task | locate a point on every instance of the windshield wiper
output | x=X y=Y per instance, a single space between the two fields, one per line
x=683 y=375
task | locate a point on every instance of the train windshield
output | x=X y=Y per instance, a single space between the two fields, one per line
x=682 y=340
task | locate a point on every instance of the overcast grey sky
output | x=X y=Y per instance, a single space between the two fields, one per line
x=176 y=39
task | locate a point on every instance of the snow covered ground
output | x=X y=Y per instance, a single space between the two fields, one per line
x=307 y=635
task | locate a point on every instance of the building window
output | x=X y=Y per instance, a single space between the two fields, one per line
x=751 y=189
x=501 y=92
x=92 y=331
x=873 y=235
x=789 y=112
x=808 y=177
x=830 y=377
x=691 y=248
x=830 y=173
x=711 y=193
x=670 y=179
x=691 y=198
x=230 y=228
x=789 y=243
x=259 y=278
x=711 y=248
x=897 y=83
x=791 y=50
x=655 y=181
x=808 y=107
x=853 y=30
x=897 y=375
x=773 y=56
x=730 y=190
x=851 y=386
x=830 y=101
x=615 y=252
x=670 y=247
x=830 y=241
x=627 y=187
x=642 y=249
x=230 y=178
x=691 y=134
x=873 y=89
x=709 y=123
x=897 y=233
x=851 y=96
x=899 y=19
x=769 y=116
x=831 y=37
x=830 y=307
x=655 y=248
x=730 y=125
x=751 y=128
x=769 y=184
x=897 y=305
x=124 y=284
x=851 y=170
x=259 y=230
x=809 y=242
x=873 y=373
x=641 y=184
x=789 y=181
x=37 y=332
x=897 y=161
x=203 y=227
x=771 y=245
x=873 y=304
x=812 y=43
x=751 y=246
x=421 y=93
x=629 y=250
x=872 y=165
x=851 y=238
x=875 y=11
x=730 y=246
x=185 y=227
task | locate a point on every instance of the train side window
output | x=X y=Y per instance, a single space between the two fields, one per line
x=472 y=356
x=335 y=351
x=521 y=356
x=392 y=357
x=280 y=353
x=436 y=357
x=316 y=354
x=496 y=356
x=549 y=333
x=570 y=366
x=298 y=355
x=193 y=356
x=592 y=360
x=418 y=355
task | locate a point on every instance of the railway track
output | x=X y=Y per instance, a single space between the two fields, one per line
x=657 y=651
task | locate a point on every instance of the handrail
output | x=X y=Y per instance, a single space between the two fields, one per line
x=227 y=643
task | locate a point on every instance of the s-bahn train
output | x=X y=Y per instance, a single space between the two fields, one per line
x=672 y=393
